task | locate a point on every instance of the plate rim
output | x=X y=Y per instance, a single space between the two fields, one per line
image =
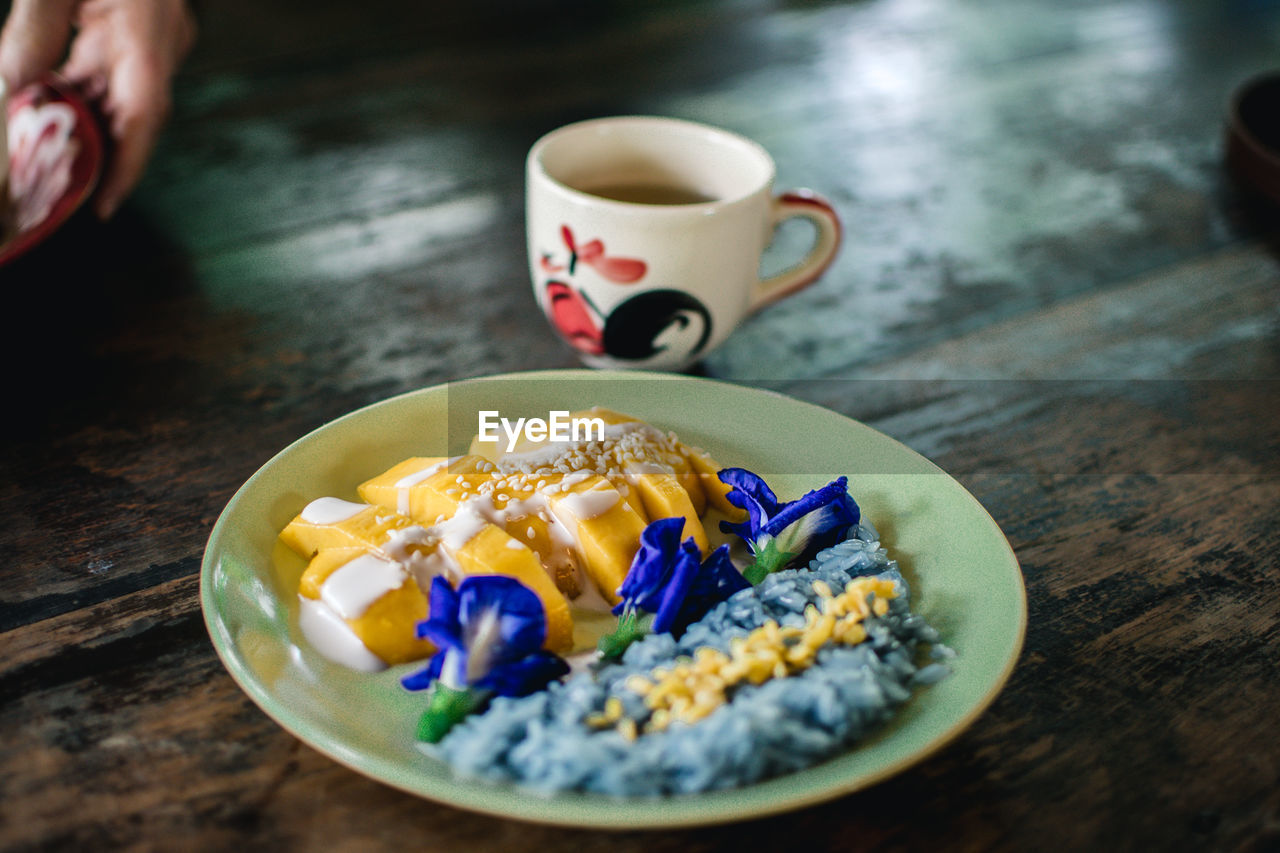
x=609 y=812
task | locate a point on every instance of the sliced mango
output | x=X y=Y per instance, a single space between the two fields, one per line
x=633 y=497
x=490 y=450
x=525 y=517
x=708 y=471
x=662 y=477
x=491 y=551
x=383 y=626
x=661 y=455
x=386 y=625
x=431 y=491
x=375 y=530
x=605 y=526
x=335 y=523
x=692 y=484
x=323 y=564
x=394 y=488
x=664 y=497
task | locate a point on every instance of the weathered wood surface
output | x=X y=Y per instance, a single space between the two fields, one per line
x=1048 y=287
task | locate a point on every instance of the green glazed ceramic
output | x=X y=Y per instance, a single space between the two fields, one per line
x=964 y=577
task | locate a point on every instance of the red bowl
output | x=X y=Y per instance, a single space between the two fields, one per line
x=85 y=170
x=1253 y=135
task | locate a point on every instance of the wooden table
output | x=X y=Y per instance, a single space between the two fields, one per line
x=1049 y=287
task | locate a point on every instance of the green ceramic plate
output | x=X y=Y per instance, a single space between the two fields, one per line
x=964 y=577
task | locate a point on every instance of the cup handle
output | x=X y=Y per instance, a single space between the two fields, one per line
x=814 y=207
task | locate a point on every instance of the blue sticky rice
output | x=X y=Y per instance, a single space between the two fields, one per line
x=785 y=724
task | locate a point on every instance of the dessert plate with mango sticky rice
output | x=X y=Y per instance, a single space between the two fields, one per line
x=318 y=569
x=50 y=160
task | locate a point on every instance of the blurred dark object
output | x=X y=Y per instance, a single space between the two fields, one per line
x=55 y=164
x=1253 y=135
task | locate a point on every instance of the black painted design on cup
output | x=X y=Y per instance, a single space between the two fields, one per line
x=632 y=329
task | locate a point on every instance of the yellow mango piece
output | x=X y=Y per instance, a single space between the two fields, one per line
x=707 y=470
x=387 y=625
x=485 y=550
x=432 y=491
x=323 y=564
x=557 y=557
x=491 y=551
x=429 y=490
x=664 y=497
x=394 y=488
x=692 y=485
x=525 y=503
x=335 y=523
x=605 y=526
x=649 y=456
x=632 y=496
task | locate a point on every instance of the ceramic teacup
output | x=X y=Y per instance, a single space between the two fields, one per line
x=645 y=237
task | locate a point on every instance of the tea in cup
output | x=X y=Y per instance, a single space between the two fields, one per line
x=645 y=236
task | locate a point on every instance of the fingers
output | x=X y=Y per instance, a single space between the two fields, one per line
x=124 y=56
x=89 y=61
x=34 y=39
x=138 y=105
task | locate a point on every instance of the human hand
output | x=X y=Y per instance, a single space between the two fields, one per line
x=124 y=54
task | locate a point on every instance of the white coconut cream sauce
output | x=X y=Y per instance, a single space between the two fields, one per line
x=353 y=587
x=331 y=510
x=466 y=524
x=333 y=638
x=591 y=503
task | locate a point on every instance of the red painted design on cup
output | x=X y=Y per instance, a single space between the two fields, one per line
x=573 y=318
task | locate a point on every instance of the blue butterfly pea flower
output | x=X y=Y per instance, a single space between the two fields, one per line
x=669 y=586
x=488 y=634
x=783 y=534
